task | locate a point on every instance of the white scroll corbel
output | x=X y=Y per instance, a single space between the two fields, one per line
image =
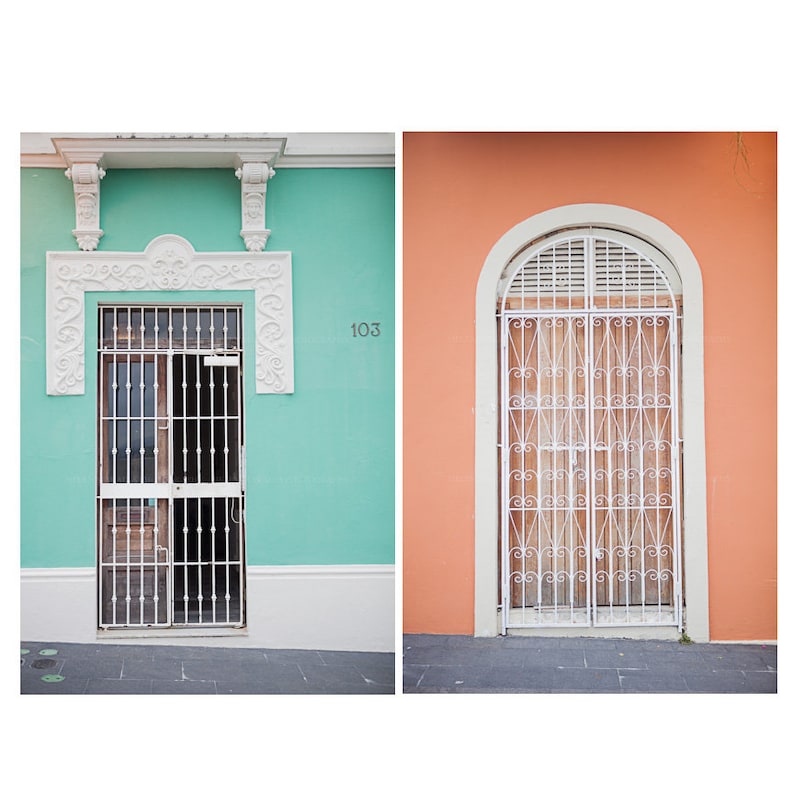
x=254 y=177
x=85 y=177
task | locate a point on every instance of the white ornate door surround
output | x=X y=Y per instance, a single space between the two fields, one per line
x=168 y=263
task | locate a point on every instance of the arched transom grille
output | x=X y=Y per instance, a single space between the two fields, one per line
x=591 y=270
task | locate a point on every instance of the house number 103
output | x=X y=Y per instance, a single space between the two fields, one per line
x=365 y=329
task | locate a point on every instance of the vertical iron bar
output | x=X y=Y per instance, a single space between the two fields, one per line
x=227 y=530
x=675 y=462
x=184 y=417
x=212 y=423
x=626 y=537
x=521 y=325
x=213 y=595
x=554 y=451
x=198 y=418
x=571 y=457
x=642 y=507
x=141 y=582
x=590 y=521
x=504 y=485
x=127 y=407
x=199 y=594
x=142 y=447
x=170 y=465
x=185 y=596
x=128 y=533
x=114 y=559
x=226 y=424
x=156 y=560
x=156 y=410
x=537 y=512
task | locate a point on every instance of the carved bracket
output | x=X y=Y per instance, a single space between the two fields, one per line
x=85 y=178
x=168 y=263
x=253 y=177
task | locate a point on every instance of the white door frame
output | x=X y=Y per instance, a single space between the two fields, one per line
x=486 y=517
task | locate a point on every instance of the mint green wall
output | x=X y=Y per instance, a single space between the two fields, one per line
x=320 y=462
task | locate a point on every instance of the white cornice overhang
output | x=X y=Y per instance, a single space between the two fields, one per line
x=174 y=152
x=131 y=150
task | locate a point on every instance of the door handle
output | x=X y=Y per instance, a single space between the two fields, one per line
x=162 y=548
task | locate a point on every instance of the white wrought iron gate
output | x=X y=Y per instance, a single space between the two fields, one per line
x=170 y=500
x=590 y=443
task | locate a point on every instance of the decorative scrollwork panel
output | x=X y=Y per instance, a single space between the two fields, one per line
x=169 y=263
x=589 y=475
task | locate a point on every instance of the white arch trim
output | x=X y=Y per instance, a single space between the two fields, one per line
x=169 y=263
x=486 y=514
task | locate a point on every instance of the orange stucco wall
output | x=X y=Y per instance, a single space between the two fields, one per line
x=461 y=193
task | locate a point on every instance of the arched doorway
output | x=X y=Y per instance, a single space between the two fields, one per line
x=583 y=508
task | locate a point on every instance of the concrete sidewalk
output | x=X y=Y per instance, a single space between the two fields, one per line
x=76 y=669
x=444 y=663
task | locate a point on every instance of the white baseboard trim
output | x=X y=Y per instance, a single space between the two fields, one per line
x=319 y=607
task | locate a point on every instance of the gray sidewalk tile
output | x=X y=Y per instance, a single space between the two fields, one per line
x=586 y=680
x=761 y=682
x=434 y=640
x=184 y=688
x=110 y=668
x=339 y=679
x=376 y=675
x=66 y=685
x=144 y=670
x=101 y=651
x=451 y=677
x=117 y=686
x=438 y=655
x=357 y=658
x=279 y=656
x=227 y=670
x=743 y=658
x=561 y=657
x=614 y=659
x=722 y=682
x=323 y=674
x=412 y=675
x=489 y=643
x=526 y=680
x=580 y=643
x=198 y=652
x=651 y=681
x=516 y=657
x=689 y=662
x=255 y=688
